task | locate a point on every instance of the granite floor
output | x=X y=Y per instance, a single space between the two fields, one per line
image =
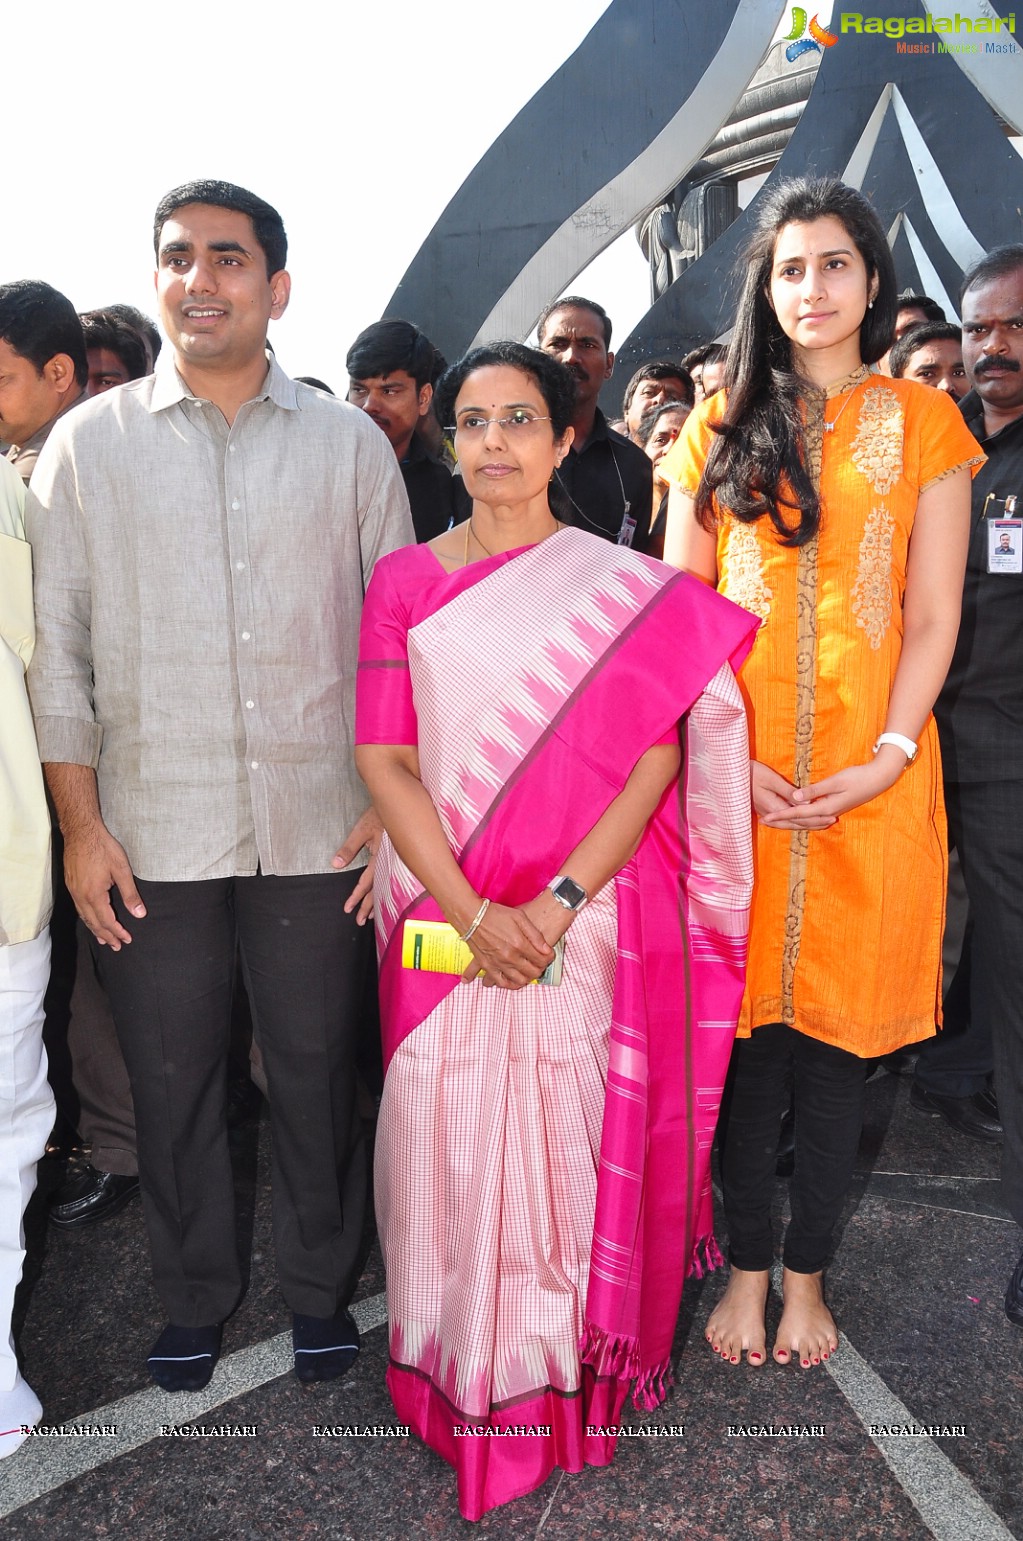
x=916 y=1286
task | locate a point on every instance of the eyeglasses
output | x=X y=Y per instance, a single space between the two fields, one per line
x=472 y=425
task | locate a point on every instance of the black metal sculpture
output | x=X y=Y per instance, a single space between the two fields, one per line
x=655 y=108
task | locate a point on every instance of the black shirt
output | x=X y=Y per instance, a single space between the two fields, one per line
x=980 y=709
x=428 y=483
x=598 y=482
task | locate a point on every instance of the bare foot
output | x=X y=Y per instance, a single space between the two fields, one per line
x=807 y=1328
x=737 y=1321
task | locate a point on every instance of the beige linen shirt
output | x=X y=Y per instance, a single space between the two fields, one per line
x=24 y=456
x=24 y=821
x=198 y=594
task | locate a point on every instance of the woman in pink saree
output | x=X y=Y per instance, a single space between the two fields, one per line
x=552 y=735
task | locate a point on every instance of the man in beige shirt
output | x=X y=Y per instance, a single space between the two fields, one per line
x=204 y=538
x=26 y=1102
x=43 y=366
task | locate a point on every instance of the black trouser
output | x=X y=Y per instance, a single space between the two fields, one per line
x=303 y=962
x=985 y=822
x=828 y=1085
x=959 y=1060
x=86 y=1066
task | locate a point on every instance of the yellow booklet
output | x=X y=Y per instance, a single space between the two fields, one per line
x=436 y=948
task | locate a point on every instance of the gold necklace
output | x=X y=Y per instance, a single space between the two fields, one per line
x=470 y=530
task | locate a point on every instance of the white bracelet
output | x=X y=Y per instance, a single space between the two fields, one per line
x=907 y=745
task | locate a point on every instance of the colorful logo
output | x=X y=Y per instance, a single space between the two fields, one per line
x=819 y=39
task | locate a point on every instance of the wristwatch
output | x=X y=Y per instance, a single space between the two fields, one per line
x=908 y=745
x=568 y=893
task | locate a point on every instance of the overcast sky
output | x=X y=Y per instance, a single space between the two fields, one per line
x=357 y=122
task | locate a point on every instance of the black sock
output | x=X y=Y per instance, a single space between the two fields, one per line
x=325 y=1346
x=183 y=1358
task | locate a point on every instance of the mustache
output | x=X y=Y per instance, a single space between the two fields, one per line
x=995 y=365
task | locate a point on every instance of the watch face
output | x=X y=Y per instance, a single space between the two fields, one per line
x=569 y=893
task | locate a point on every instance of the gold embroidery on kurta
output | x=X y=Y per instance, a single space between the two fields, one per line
x=872 y=591
x=877 y=454
x=806 y=704
x=877 y=448
x=964 y=465
x=746 y=585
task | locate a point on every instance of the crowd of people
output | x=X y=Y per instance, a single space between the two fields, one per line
x=456 y=661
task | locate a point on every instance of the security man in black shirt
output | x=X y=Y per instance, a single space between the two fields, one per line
x=606 y=481
x=980 y=710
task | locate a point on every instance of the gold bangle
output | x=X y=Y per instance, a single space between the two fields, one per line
x=484 y=907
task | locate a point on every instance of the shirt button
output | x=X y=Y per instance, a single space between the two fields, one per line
x=236 y=504
x=240 y=566
x=250 y=704
x=231 y=448
x=255 y=764
x=246 y=635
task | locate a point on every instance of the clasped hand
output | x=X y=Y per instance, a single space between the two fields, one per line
x=512 y=947
x=781 y=805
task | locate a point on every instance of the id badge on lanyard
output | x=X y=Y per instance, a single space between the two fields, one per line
x=628 y=528
x=1004 y=535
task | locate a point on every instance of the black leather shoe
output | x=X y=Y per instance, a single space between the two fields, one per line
x=988 y=1103
x=970 y=1115
x=1014 y=1295
x=86 y=1195
x=902 y=1062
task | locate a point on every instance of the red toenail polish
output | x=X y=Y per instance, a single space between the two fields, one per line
x=816 y=1361
x=806 y=1364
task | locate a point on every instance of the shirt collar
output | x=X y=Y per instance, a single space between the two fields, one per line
x=972 y=408
x=35 y=441
x=169 y=388
x=598 y=432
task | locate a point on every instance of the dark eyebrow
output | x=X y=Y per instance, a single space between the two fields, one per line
x=839 y=251
x=509 y=406
x=228 y=246
x=174 y=248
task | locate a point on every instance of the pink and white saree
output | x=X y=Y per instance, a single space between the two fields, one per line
x=543 y=1156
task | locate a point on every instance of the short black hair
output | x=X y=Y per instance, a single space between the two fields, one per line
x=102 y=329
x=392 y=344
x=552 y=380
x=575 y=302
x=317 y=385
x=266 y=222
x=652 y=416
x=660 y=371
x=37 y=322
x=143 y=324
x=919 y=336
x=908 y=300
x=706 y=353
x=999 y=262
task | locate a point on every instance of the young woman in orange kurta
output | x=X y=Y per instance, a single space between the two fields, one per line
x=834 y=504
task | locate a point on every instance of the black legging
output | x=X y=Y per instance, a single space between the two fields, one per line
x=829 y=1086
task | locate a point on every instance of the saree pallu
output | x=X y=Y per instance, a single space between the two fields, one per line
x=543 y=1155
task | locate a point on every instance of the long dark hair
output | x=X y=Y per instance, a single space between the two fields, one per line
x=757 y=463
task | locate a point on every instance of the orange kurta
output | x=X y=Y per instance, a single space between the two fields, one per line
x=846 y=927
